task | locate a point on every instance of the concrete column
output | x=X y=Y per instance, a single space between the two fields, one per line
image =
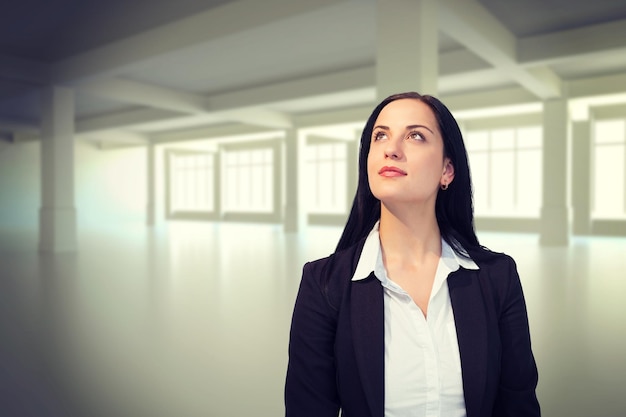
x=217 y=184
x=581 y=177
x=407 y=57
x=150 y=184
x=555 y=212
x=57 y=215
x=290 y=218
x=352 y=165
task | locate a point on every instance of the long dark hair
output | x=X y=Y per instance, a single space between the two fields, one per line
x=453 y=208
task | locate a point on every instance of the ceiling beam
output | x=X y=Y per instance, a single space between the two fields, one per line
x=93 y=127
x=485 y=99
x=470 y=24
x=257 y=116
x=114 y=136
x=133 y=92
x=499 y=96
x=207 y=132
x=574 y=43
x=123 y=119
x=240 y=106
x=158 y=97
x=460 y=61
x=479 y=80
x=351 y=114
x=243 y=106
x=214 y=23
x=613 y=111
x=596 y=86
x=335 y=82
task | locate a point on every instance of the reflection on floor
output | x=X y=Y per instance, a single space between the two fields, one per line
x=192 y=320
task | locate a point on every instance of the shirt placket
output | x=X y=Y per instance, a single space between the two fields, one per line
x=429 y=356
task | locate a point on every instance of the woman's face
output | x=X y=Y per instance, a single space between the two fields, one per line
x=405 y=163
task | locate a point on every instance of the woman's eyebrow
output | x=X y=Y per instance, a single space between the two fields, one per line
x=409 y=127
x=416 y=126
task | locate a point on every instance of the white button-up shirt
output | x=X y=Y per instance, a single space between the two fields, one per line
x=422 y=360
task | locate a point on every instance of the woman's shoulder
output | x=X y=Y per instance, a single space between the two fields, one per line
x=489 y=259
x=498 y=271
x=339 y=263
x=333 y=273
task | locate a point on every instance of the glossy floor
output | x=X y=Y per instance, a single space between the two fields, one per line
x=192 y=320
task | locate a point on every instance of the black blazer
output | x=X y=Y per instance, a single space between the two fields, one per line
x=336 y=347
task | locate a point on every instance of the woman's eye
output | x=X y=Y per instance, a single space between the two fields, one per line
x=416 y=136
x=380 y=135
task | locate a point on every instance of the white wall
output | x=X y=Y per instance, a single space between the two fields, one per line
x=20 y=193
x=109 y=185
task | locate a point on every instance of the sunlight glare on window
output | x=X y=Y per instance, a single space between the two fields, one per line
x=191 y=182
x=506 y=169
x=609 y=173
x=326 y=178
x=248 y=181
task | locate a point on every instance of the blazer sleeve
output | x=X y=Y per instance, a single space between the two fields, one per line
x=516 y=395
x=311 y=387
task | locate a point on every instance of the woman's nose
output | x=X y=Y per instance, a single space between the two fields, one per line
x=393 y=149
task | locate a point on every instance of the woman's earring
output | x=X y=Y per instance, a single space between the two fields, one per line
x=444 y=186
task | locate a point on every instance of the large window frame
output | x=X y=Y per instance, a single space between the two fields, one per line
x=250 y=171
x=326 y=176
x=191 y=185
x=503 y=185
x=608 y=162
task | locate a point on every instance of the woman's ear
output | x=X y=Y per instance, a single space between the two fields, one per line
x=448 y=173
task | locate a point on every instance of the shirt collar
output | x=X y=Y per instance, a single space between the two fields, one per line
x=371 y=257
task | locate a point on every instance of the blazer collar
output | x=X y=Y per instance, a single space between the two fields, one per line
x=368 y=332
x=367 y=320
x=472 y=324
x=371 y=257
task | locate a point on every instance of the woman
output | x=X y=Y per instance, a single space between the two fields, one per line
x=410 y=316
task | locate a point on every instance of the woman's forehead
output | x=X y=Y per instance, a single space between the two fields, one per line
x=406 y=106
x=408 y=112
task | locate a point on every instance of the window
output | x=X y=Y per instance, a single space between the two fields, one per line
x=248 y=184
x=609 y=157
x=326 y=178
x=506 y=169
x=191 y=182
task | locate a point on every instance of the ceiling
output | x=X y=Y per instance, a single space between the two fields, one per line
x=161 y=71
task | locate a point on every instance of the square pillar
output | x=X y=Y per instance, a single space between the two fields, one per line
x=290 y=215
x=407 y=53
x=581 y=177
x=352 y=166
x=150 y=184
x=555 y=210
x=57 y=215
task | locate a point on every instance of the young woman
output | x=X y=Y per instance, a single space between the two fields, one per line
x=411 y=316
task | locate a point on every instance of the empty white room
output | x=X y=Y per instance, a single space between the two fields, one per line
x=168 y=168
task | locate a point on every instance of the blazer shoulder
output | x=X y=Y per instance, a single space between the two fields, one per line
x=333 y=273
x=496 y=261
x=499 y=279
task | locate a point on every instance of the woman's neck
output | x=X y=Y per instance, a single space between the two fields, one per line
x=409 y=235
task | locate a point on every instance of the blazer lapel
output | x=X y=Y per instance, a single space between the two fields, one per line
x=368 y=333
x=471 y=327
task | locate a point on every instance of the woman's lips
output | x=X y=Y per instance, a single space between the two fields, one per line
x=391 y=172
